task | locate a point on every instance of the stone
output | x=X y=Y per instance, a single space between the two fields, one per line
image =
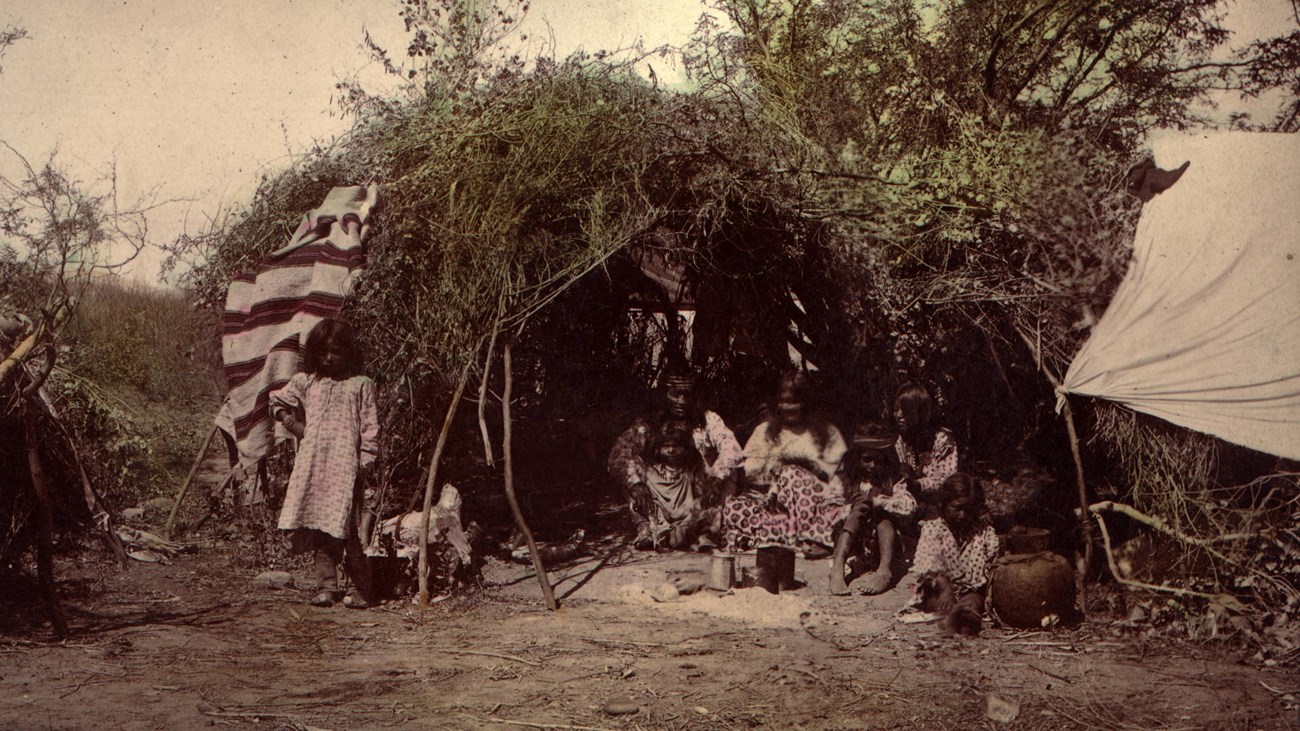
x=159 y=504
x=621 y=707
x=274 y=580
x=665 y=592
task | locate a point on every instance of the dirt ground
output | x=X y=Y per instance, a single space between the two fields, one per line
x=195 y=644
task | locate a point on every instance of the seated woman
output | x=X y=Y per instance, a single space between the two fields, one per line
x=926 y=452
x=882 y=497
x=954 y=556
x=794 y=458
x=711 y=440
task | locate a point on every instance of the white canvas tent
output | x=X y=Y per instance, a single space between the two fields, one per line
x=1204 y=331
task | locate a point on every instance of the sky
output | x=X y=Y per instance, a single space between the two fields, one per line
x=202 y=98
x=198 y=99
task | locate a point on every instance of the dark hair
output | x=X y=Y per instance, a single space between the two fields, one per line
x=871 y=440
x=673 y=432
x=913 y=399
x=798 y=383
x=331 y=333
x=694 y=409
x=960 y=484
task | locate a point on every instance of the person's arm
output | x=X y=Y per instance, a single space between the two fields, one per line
x=898 y=501
x=286 y=401
x=943 y=463
x=929 y=550
x=989 y=549
x=758 y=455
x=831 y=458
x=625 y=464
x=730 y=453
x=369 y=426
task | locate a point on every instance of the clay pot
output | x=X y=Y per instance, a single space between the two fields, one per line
x=1028 y=590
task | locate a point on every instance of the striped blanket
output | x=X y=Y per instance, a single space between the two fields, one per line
x=271 y=308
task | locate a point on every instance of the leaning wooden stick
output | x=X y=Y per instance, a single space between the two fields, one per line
x=507 y=457
x=185 y=486
x=423 y=572
x=483 y=393
x=1084 y=514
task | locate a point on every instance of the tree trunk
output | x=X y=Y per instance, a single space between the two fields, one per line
x=507 y=457
x=44 y=525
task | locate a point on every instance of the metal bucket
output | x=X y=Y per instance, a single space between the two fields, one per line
x=722 y=572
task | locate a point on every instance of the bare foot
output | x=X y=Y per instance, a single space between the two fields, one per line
x=838 y=587
x=876 y=582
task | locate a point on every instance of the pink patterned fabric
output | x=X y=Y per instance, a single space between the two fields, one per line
x=967 y=565
x=748 y=523
x=813 y=509
x=341 y=424
x=933 y=467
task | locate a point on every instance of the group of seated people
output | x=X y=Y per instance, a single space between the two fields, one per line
x=797 y=483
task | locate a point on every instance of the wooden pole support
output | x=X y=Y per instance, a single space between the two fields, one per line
x=507 y=457
x=1085 y=521
x=185 y=486
x=422 y=573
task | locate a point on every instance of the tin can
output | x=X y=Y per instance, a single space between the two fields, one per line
x=722 y=572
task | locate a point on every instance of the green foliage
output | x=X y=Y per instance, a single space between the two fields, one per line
x=970 y=157
x=137 y=387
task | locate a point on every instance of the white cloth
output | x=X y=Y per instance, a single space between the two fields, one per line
x=1204 y=331
x=764 y=458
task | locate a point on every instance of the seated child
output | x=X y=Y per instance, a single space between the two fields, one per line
x=954 y=557
x=882 y=499
x=926 y=451
x=674 y=495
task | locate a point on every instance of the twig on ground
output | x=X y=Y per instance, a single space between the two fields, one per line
x=563 y=726
x=810 y=674
x=85 y=682
x=602 y=641
x=240 y=714
x=1049 y=673
x=1044 y=653
x=494 y=654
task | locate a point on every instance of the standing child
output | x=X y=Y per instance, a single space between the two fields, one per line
x=339 y=442
x=955 y=555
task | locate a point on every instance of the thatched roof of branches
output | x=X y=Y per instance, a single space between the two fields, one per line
x=529 y=194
